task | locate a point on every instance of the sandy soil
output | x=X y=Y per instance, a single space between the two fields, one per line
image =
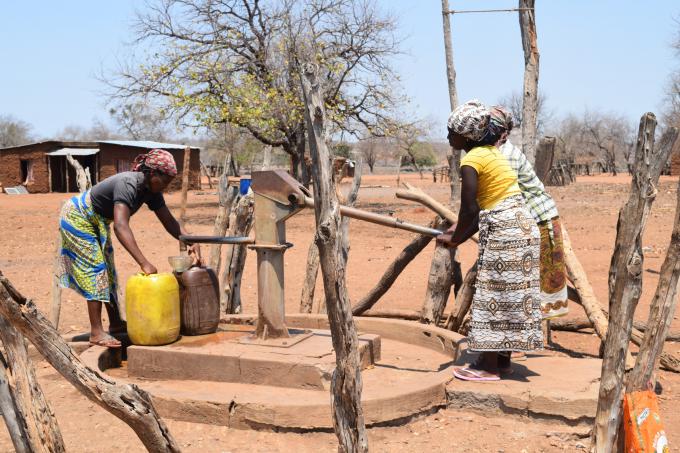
x=589 y=208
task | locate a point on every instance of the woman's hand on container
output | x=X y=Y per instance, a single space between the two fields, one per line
x=149 y=268
x=195 y=253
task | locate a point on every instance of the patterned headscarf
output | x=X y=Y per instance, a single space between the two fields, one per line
x=470 y=120
x=501 y=117
x=156 y=159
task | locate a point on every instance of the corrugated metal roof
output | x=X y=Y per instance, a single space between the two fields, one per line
x=74 y=152
x=145 y=144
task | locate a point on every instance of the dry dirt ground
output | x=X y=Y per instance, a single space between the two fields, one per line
x=28 y=230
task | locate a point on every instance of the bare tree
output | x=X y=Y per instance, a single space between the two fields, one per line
x=139 y=121
x=412 y=146
x=234 y=61
x=97 y=131
x=544 y=115
x=13 y=132
x=671 y=108
x=602 y=139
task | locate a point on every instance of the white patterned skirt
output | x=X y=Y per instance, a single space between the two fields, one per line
x=506 y=308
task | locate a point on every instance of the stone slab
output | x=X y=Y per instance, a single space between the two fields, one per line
x=543 y=386
x=222 y=357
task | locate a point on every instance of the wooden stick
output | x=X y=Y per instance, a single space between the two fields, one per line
x=207 y=174
x=185 y=185
x=395 y=313
x=625 y=277
x=127 y=402
x=55 y=289
x=393 y=271
x=348 y=418
x=463 y=301
x=311 y=273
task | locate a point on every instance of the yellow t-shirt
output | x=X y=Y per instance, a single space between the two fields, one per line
x=497 y=180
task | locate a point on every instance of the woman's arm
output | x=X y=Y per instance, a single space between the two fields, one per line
x=173 y=227
x=468 y=217
x=121 y=226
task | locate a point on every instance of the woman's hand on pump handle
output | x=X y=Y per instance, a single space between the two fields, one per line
x=446 y=238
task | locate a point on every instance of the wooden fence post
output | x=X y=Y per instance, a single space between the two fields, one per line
x=127 y=402
x=625 y=278
x=348 y=418
x=527 y=24
x=185 y=185
x=661 y=311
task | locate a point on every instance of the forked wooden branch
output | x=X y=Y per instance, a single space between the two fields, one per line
x=625 y=278
x=661 y=312
x=127 y=402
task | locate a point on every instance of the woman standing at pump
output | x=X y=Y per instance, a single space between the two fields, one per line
x=553 y=270
x=86 y=263
x=506 y=313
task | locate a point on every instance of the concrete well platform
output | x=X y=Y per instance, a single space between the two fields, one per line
x=228 y=356
x=411 y=376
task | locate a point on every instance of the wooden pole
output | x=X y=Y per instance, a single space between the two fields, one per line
x=348 y=418
x=127 y=402
x=311 y=273
x=82 y=180
x=625 y=278
x=185 y=185
x=55 y=289
x=31 y=408
x=661 y=311
x=527 y=24
x=453 y=156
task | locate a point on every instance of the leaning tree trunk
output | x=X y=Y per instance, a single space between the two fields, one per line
x=127 y=402
x=527 y=24
x=348 y=418
x=82 y=174
x=240 y=224
x=625 y=278
x=661 y=311
x=393 y=271
x=33 y=415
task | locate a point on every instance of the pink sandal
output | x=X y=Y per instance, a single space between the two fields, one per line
x=471 y=374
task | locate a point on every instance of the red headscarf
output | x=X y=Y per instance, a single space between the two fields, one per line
x=156 y=159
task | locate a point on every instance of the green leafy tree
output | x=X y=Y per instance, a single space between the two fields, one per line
x=236 y=61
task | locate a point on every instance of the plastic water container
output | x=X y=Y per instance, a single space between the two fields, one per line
x=244 y=185
x=152 y=308
x=199 y=301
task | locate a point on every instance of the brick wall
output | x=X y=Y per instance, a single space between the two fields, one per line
x=10 y=168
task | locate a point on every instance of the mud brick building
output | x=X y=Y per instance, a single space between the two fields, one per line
x=42 y=167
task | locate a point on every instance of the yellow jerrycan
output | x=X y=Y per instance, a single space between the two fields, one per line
x=152 y=308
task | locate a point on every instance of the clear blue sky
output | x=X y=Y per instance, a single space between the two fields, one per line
x=612 y=55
